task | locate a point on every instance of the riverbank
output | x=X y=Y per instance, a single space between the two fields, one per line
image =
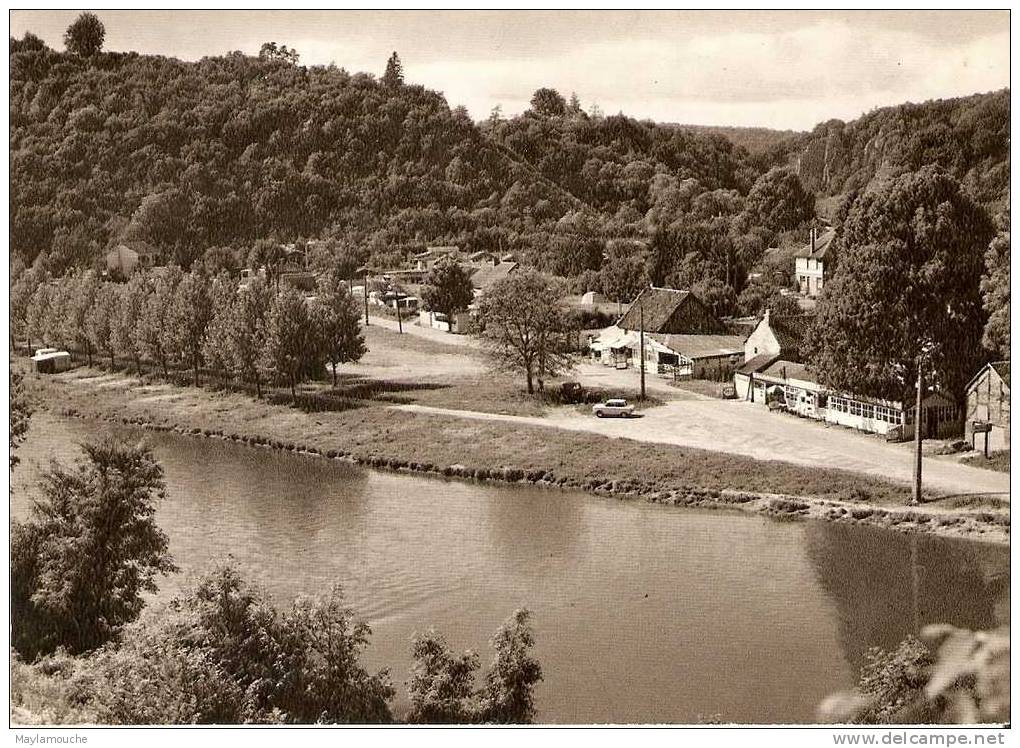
x=374 y=435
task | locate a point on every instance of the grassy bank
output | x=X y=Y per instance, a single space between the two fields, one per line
x=372 y=434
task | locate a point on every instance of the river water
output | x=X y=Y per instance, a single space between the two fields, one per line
x=642 y=613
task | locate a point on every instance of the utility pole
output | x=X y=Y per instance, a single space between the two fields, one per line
x=641 y=311
x=918 y=423
x=400 y=325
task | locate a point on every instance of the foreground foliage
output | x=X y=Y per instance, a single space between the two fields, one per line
x=950 y=675
x=80 y=565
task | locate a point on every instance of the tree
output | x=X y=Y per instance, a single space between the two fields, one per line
x=100 y=320
x=37 y=312
x=447 y=289
x=80 y=295
x=131 y=310
x=272 y=53
x=337 y=321
x=548 y=102
x=508 y=697
x=23 y=290
x=80 y=565
x=523 y=317
x=153 y=335
x=21 y=412
x=906 y=291
x=85 y=36
x=267 y=255
x=623 y=277
x=217 y=347
x=995 y=292
x=289 y=344
x=248 y=331
x=778 y=201
x=717 y=296
x=188 y=318
x=394 y=75
x=441 y=685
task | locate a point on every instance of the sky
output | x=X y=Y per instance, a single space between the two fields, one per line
x=779 y=69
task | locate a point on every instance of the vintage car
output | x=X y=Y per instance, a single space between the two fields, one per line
x=610 y=408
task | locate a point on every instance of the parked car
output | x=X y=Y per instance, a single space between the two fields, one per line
x=610 y=408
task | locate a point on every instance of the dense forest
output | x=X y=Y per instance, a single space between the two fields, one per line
x=968 y=137
x=207 y=158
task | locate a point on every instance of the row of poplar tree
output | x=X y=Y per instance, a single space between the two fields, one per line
x=255 y=333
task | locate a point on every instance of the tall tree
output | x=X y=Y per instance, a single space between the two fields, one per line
x=100 y=320
x=290 y=341
x=248 y=331
x=38 y=312
x=394 y=75
x=85 y=36
x=81 y=289
x=906 y=290
x=267 y=256
x=131 y=310
x=548 y=102
x=447 y=289
x=441 y=685
x=217 y=347
x=337 y=322
x=995 y=291
x=508 y=697
x=154 y=335
x=524 y=326
x=188 y=319
x=80 y=565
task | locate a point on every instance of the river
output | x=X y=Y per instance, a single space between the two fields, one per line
x=642 y=613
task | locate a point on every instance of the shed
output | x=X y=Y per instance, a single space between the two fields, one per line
x=51 y=361
x=988 y=406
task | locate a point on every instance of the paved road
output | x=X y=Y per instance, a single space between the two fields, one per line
x=742 y=428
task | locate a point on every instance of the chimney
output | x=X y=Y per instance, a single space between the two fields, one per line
x=812 y=240
x=766 y=317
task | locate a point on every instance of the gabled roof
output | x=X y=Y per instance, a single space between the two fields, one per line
x=663 y=308
x=757 y=364
x=999 y=367
x=822 y=242
x=484 y=277
x=701 y=346
x=790 y=332
x=783 y=369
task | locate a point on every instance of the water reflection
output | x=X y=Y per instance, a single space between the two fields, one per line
x=886 y=585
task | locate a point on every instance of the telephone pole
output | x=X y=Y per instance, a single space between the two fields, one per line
x=365 y=290
x=918 y=423
x=641 y=310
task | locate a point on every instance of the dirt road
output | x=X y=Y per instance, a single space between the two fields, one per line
x=742 y=428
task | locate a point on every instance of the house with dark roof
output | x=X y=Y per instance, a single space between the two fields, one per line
x=813 y=261
x=682 y=338
x=486 y=275
x=126 y=257
x=774 y=337
x=670 y=311
x=988 y=407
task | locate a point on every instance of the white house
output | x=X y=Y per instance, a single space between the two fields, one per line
x=811 y=263
x=772 y=338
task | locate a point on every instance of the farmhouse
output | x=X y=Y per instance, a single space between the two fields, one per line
x=772 y=338
x=125 y=257
x=791 y=386
x=683 y=339
x=988 y=406
x=813 y=262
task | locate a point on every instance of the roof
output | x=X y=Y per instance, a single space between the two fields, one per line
x=790 y=331
x=484 y=277
x=659 y=307
x=701 y=346
x=783 y=369
x=999 y=367
x=822 y=243
x=51 y=355
x=757 y=364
